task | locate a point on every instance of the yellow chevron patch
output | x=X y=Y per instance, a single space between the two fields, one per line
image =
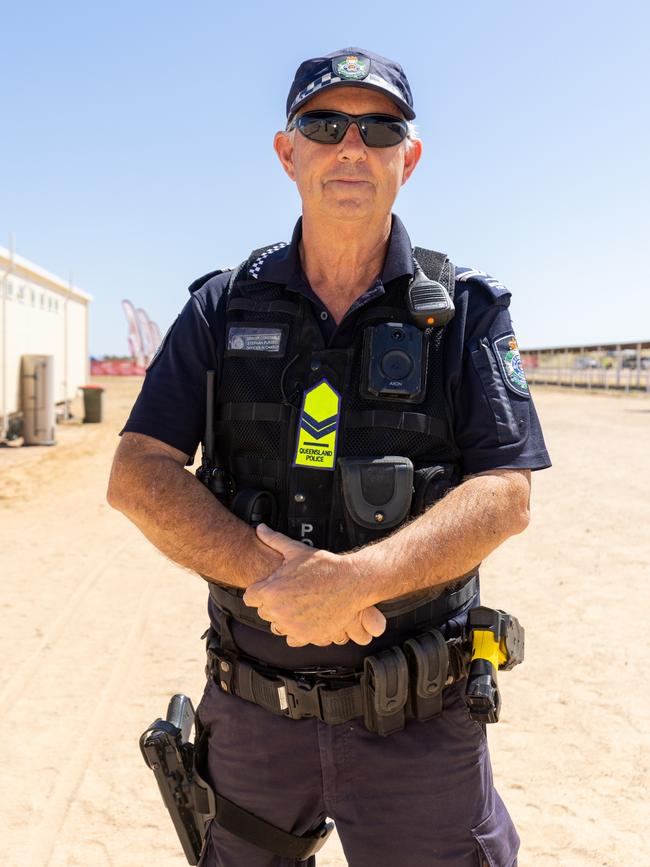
x=318 y=429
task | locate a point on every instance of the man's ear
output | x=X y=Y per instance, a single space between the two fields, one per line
x=283 y=145
x=411 y=159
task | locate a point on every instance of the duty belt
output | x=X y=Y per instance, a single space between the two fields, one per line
x=394 y=685
x=403 y=682
x=410 y=613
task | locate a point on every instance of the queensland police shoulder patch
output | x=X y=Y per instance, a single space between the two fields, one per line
x=507 y=351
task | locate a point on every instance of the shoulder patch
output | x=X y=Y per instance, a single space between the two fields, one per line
x=201 y=281
x=261 y=256
x=507 y=352
x=496 y=288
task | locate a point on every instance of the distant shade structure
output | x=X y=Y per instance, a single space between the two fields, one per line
x=143 y=334
x=136 y=347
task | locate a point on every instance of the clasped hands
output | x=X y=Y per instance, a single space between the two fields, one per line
x=314 y=597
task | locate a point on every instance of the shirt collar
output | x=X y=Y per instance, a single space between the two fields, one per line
x=281 y=264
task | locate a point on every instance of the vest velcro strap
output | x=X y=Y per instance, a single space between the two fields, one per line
x=415 y=422
x=407 y=613
x=413 y=611
x=254 y=306
x=254 y=412
x=266 y=469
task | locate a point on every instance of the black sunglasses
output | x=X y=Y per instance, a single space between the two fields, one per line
x=329 y=127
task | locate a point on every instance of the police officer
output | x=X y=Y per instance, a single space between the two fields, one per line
x=375 y=437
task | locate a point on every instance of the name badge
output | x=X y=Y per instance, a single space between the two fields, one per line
x=257 y=340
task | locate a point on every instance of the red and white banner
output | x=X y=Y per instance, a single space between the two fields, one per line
x=116 y=368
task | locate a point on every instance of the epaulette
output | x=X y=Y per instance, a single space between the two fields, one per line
x=201 y=281
x=257 y=257
x=495 y=288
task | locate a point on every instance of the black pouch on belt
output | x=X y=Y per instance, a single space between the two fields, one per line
x=428 y=662
x=384 y=689
x=376 y=497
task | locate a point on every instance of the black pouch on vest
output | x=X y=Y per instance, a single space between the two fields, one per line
x=376 y=494
x=255 y=507
x=431 y=484
x=428 y=661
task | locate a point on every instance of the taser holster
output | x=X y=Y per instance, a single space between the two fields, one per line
x=497 y=642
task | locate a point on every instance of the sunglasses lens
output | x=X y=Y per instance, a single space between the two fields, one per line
x=377 y=131
x=321 y=127
x=382 y=132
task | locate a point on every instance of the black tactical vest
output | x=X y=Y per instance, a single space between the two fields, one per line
x=258 y=413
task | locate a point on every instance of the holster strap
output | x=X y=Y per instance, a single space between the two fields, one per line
x=255 y=830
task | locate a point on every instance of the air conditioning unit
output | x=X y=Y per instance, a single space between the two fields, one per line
x=38 y=406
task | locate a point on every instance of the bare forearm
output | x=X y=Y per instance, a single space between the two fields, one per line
x=184 y=521
x=449 y=540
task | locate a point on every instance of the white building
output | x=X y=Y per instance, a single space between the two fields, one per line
x=40 y=314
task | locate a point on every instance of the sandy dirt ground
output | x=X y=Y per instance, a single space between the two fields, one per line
x=98 y=630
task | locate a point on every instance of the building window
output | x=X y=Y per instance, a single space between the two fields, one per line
x=32 y=296
x=20 y=294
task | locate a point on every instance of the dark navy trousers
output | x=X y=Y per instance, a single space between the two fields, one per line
x=423 y=797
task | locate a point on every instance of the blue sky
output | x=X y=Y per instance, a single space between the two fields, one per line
x=135 y=146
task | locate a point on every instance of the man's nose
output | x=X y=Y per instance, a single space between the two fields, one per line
x=352 y=146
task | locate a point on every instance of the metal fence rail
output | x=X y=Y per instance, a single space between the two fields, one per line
x=625 y=379
x=616 y=366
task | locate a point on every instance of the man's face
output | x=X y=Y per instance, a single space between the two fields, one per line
x=348 y=180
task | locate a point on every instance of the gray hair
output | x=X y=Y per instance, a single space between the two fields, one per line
x=412 y=135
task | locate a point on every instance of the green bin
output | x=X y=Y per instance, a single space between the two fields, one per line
x=92 y=403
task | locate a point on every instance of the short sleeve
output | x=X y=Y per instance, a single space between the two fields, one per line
x=171 y=404
x=495 y=422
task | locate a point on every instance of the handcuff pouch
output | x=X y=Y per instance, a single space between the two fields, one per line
x=428 y=662
x=376 y=495
x=384 y=690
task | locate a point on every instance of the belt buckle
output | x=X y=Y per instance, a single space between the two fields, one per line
x=298 y=700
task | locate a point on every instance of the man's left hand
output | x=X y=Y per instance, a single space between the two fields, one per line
x=314 y=597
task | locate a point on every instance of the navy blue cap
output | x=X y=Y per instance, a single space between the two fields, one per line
x=351 y=66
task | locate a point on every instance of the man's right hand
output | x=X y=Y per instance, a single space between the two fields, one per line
x=313 y=597
x=363 y=628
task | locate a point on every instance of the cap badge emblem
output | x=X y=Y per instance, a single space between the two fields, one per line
x=351 y=67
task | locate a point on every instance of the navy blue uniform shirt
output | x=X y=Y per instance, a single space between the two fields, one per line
x=494 y=421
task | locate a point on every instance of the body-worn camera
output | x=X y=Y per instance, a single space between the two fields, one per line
x=394 y=362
